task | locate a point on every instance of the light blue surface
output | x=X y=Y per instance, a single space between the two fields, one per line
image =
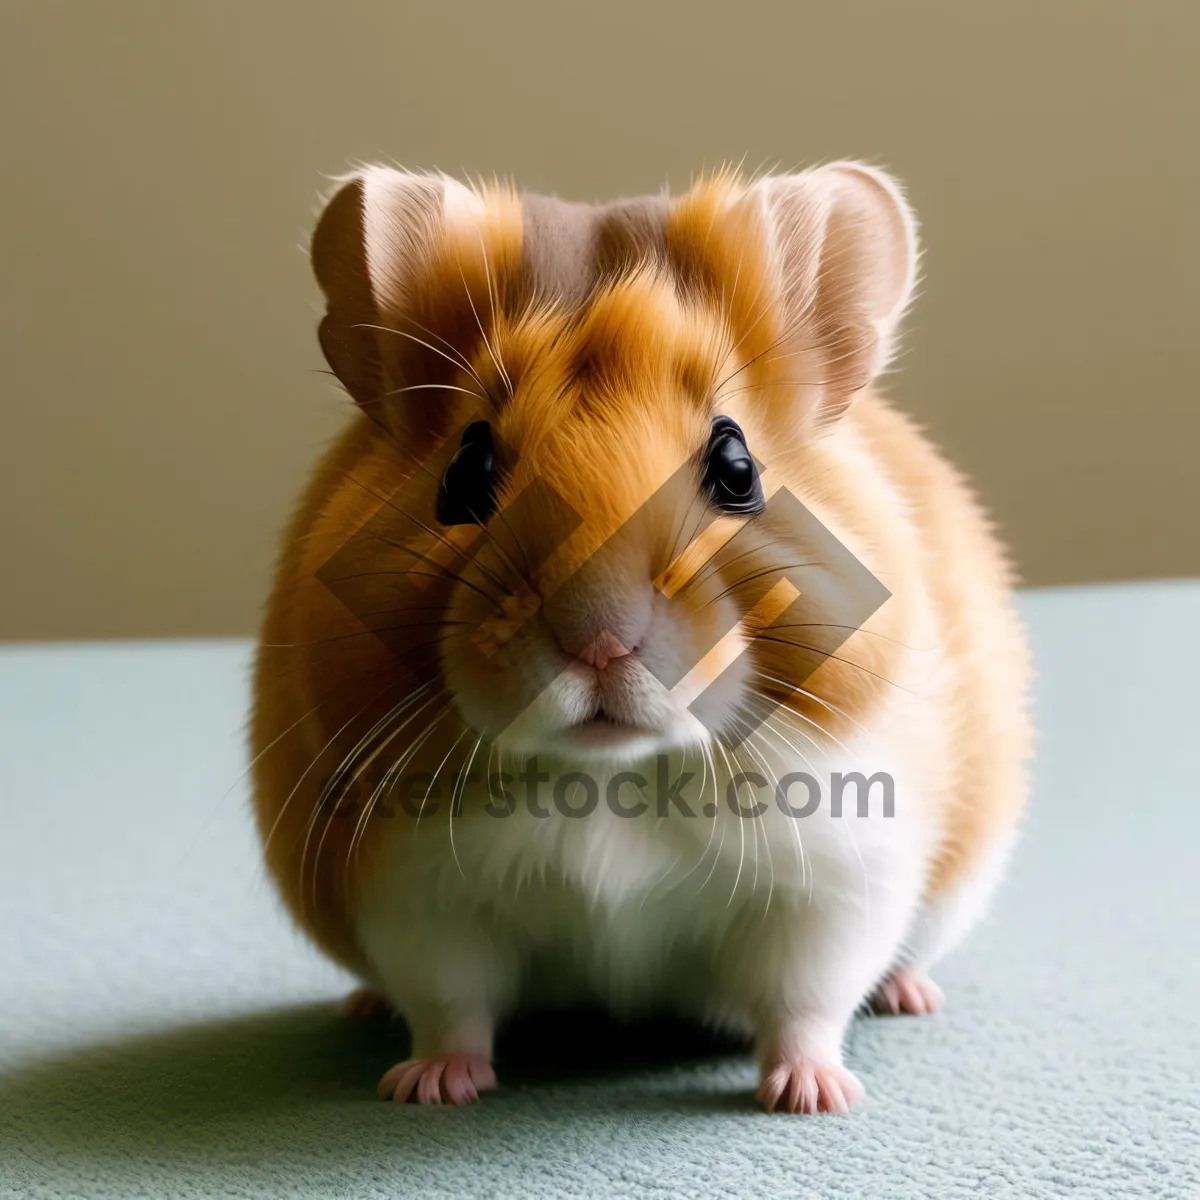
x=164 y=1032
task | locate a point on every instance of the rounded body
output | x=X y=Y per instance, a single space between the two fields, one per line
x=769 y=873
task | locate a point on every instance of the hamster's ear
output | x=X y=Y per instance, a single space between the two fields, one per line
x=845 y=243
x=377 y=234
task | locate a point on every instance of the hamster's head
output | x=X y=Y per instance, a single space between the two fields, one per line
x=598 y=545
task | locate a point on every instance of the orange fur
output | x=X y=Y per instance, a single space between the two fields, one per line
x=602 y=401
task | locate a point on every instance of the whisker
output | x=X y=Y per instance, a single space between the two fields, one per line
x=765 y=637
x=750 y=362
x=763 y=384
x=386 y=782
x=343 y=637
x=763 y=310
x=769 y=725
x=304 y=775
x=712 y=828
x=849 y=829
x=516 y=542
x=429 y=789
x=806 y=874
x=774 y=780
x=444 y=576
x=774 y=569
x=741 y=830
x=459 y=355
x=853 y=629
x=283 y=808
x=754 y=882
x=794 y=328
x=673 y=547
x=422 y=342
x=495 y=540
x=437 y=387
x=298 y=721
x=715 y=566
x=796 y=713
x=717 y=819
x=427 y=528
x=483 y=334
x=333 y=783
x=487 y=274
x=456 y=800
x=358 y=774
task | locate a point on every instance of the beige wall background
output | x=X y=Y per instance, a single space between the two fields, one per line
x=162 y=163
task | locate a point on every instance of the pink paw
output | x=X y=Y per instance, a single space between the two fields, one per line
x=800 y=1085
x=364 y=1002
x=907 y=991
x=439 y=1079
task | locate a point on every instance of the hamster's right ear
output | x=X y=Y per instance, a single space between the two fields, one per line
x=847 y=253
x=378 y=233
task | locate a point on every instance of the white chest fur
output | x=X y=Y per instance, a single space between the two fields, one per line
x=671 y=906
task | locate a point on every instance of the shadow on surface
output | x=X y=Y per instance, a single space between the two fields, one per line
x=256 y=1089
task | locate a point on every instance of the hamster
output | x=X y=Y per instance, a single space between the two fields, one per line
x=628 y=646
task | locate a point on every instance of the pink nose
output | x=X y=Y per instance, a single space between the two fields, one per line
x=601 y=651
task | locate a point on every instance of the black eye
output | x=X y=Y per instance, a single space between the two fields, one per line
x=730 y=476
x=467 y=493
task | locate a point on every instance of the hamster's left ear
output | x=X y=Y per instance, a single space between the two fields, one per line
x=845 y=244
x=395 y=252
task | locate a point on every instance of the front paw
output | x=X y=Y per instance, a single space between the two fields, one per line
x=907 y=991
x=799 y=1084
x=439 y=1079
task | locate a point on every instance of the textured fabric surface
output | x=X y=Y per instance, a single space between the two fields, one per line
x=164 y=1032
